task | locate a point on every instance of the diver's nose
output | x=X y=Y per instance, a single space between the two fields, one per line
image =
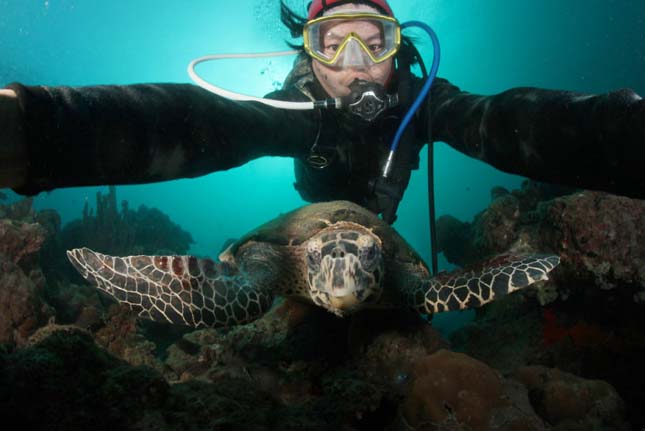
x=354 y=56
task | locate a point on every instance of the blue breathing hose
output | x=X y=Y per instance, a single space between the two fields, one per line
x=424 y=91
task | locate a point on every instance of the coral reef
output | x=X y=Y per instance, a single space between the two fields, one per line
x=125 y=232
x=588 y=318
x=72 y=384
x=35 y=279
x=499 y=227
x=302 y=368
x=600 y=238
x=452 y=386
x=452 y=391
x=270 y=374
x=18 y=211
x=20 y=239
x=569 y=402
x=596 y=234
x=22 y=309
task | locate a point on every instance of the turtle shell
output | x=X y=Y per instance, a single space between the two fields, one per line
x=297 y=226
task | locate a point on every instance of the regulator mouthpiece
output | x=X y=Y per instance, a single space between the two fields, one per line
x=368 y=100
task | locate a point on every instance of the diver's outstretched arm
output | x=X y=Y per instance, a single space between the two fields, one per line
x=580 y=140
x=13 y=155
x=75 y=136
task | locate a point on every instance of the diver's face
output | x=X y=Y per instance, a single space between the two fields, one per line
x=337 y=78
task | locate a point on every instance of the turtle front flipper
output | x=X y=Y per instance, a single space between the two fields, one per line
x=182 y=290
x=471 y=288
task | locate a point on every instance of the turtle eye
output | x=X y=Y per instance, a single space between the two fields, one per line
x=313 y=259
x=369 y=254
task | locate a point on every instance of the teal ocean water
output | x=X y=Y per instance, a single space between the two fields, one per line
x=590 y=46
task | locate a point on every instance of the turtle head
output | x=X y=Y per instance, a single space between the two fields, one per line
x=344 y=268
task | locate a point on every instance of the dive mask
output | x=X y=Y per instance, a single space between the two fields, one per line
x=352 y=39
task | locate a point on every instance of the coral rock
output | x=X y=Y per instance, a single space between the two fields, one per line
x=599 y=237
x=21 y=308
x=571 y=402
x=19 y=240
x=450 y=386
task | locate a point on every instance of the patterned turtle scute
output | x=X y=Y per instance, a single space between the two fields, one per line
x=337 y=255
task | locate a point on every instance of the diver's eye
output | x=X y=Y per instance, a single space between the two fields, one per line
x=376 y=47
x=331 y=48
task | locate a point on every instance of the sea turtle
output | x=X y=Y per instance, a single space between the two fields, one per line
x=337 y=255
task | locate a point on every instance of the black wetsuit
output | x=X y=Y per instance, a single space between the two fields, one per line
x=146 y=133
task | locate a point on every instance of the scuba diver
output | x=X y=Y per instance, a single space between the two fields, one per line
x=353 y=76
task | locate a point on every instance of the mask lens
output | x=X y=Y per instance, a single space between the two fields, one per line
x=329 y=38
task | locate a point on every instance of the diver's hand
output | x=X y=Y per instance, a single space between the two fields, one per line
x=13 y=155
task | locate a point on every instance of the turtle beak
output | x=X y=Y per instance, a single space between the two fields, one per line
x=342 y=277
x=339 y=281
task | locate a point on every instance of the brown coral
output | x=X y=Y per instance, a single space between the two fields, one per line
x=599 y=237
x=19 y=240
x=21 y=309
x=567 y=400
x=451 y=386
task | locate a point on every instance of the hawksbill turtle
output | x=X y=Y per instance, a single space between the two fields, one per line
x=336 y=255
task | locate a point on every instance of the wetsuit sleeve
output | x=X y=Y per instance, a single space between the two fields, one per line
x=587 y=141
x=145 y=133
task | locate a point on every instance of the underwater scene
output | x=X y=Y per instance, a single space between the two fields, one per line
x=224 y=300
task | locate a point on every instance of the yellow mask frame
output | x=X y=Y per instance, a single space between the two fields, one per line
x=390 y=26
